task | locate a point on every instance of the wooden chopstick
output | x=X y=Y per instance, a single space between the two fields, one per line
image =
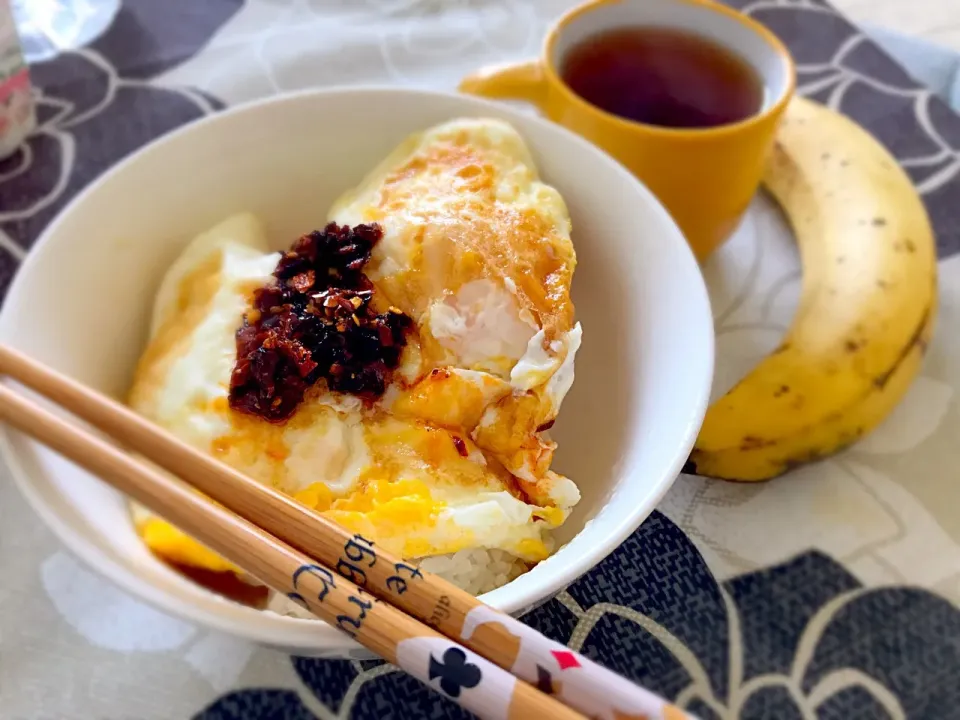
x=456 y=614
x=475 y=683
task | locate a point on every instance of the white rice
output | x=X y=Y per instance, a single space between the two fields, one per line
x=477 y=571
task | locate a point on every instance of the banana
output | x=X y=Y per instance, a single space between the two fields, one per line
x=867 y=309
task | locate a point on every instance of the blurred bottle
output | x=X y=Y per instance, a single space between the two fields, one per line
x=48 y=27
x=17 y=116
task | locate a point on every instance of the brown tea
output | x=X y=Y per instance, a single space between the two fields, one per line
x=665 y=77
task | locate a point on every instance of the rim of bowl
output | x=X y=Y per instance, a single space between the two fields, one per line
x=288 y=632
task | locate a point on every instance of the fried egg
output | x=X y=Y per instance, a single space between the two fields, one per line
x=477 y=250
x=455 y=457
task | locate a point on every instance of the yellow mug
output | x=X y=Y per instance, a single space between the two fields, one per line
x=705 y=177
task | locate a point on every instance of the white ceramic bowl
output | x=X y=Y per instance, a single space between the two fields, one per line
x=81 y=301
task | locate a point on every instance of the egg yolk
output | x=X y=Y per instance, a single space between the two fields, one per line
x=177 y=547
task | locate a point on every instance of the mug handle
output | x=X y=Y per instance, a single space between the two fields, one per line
x=508 y=81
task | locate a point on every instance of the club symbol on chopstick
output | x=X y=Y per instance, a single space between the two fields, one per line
x=545 y=682
x=455 y=672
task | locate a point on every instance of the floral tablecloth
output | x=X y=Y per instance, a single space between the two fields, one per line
x=830 y=593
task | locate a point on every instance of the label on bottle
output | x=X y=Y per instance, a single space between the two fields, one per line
x=17 y=116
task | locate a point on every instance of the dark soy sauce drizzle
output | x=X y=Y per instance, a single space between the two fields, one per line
x=666 y=77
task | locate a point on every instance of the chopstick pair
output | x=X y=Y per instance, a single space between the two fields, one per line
x=485 y=660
